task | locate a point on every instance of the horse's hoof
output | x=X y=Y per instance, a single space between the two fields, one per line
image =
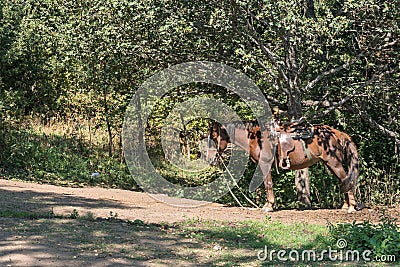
x=267 y=209
x=351 y=209
x=360 y=206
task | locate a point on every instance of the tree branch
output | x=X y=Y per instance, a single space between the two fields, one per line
x=332 y=71
x=364 y=115
x=276 y=103
x=271 y=56
x=302 y=68
x=355 y=91
x=278 y=84
x=250 y=36
x=339 y=68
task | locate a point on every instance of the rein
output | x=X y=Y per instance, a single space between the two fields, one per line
x=240 y=190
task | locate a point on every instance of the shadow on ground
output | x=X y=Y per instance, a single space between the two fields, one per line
x=32 y=235
x=41 y=202
x=112 y=242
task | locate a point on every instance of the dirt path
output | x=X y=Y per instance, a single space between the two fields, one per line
x=100 y=202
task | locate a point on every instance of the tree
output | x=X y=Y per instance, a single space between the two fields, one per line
x=315 y=52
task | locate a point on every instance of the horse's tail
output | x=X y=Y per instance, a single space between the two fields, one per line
x=350 y=158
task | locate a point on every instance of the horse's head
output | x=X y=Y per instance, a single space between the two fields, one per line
x=217 y=142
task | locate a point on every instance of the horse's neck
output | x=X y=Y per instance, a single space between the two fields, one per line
x=240 y=139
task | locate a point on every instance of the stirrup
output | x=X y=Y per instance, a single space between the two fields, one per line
x=287 y=163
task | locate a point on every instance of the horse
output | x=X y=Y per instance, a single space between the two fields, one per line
x=295 y=145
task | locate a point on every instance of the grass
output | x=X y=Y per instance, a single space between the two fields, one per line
x=208 y=243
x=255 y=234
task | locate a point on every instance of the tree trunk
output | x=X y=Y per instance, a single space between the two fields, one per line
x=302 y=181
x=294 y=106
x=108 y=123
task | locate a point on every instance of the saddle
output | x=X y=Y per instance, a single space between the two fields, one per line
x=289 y=131
x=300 y=129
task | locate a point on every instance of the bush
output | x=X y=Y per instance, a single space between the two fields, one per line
x=382 y=239
x=61 y=160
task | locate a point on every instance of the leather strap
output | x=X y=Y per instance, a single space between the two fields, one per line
x=306 y=150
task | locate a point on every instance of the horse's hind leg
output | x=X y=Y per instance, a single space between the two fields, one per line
x=350 y=201
x=269 y=205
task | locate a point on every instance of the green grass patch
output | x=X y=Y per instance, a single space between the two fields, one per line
x=209 y=243
x=24 y=214
x=255 y=234
x=41 y=215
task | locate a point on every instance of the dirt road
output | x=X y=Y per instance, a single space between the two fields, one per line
x=128 y=205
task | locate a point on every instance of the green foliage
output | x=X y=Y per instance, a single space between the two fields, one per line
x=27 y=215
x=113 y=216
x=83 y=60
x=74 y=214
x=60 y=160
x=383 y=239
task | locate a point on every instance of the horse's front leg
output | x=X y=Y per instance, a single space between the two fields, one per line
x=350 y=203
x=270 y=204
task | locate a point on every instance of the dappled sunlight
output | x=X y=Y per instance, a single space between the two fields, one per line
x=23 y=250
x=48 y=242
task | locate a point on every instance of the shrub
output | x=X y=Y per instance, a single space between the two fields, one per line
x=382 y=239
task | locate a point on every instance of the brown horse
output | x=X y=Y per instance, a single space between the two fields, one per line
x=299 y=145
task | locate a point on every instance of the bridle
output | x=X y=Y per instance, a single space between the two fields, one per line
x=218 y=154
